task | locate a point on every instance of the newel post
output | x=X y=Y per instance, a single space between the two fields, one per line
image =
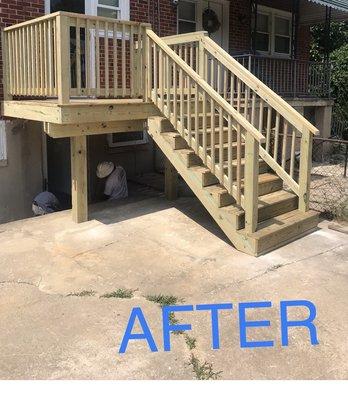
x=251 y=188
x=63 y=58
x=305 y=170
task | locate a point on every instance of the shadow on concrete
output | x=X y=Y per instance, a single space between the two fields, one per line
x=144 y=200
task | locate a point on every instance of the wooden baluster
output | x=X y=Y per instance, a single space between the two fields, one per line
x=225 y=72
x=239 y=164
x=285 y=137
x=253 y=109
x=50 y=60
x=181 y=91
x=124 y=72
x=189 y=121
x=97 y=57
x=221 y=146
x=212 y=134
x=305 y=170
x=88 y=58
x=191 y=55
x=168 y=84
x=37 y=58
x=276 y=137
x=106 y=60
x=149 y=67
x=218 y=77
x=42 y=61
x=261 y=115
x=115 y=56
x=131 y=61
x=268 y=133
x=251 y=183
x=78 y=57
x=197 y=120
x=204 y=126
x=29 y=54
x=230 y=154
x=293 y=148
x=175 y=96
x=212 y=71
x=155 y=73
x=161 y=79
x=232 y=90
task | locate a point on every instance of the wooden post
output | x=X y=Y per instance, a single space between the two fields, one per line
x=170 y=181
x=201 y=59
x=251 y=187
x=305 y=170
x=63 y=59
x=78 y=145
x=6 y=67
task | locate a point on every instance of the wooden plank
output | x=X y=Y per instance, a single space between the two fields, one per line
x=170 y=181
x=123 y=52
x=106 y=59
x=97 y=58
x=94 y=128
x=251 y=186
x=115 y=51
x=79 y=200
x=78 y=56
x=305 y=170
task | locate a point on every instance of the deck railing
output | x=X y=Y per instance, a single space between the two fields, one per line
x=290 y=77
x=68 y=55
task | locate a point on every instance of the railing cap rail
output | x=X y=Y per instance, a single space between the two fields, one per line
x=74 y=15
x=205 y=86
x=184 y=37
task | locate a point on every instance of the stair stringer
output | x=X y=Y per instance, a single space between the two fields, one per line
x=222 y=217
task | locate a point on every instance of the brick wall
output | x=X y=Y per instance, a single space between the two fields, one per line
x=15 y=11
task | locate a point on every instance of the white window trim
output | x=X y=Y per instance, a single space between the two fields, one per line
x=272 y=13
x=112 y=144
x=91 y=8
x=3 y=144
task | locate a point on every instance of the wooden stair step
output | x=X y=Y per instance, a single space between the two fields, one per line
x=282 y=229
x=225 y=147
x=190 y=157
x=268 y=183
x=205 y=175
x=220 y=195
x=176 y=140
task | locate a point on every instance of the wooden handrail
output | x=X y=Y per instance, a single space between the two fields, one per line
x=274 y=100
x=206 y=87
x=184 y=38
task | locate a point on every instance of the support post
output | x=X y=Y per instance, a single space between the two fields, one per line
x=170 y=181
x=201 y=71
x=63 y=59
x=251 y=187
x=79 y=200
x=6 y=67
x=305 y=170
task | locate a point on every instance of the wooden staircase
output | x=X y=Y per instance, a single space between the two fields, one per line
x=231 y=152
x=279 y=220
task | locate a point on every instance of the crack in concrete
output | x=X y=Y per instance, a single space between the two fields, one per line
x=21 y=283
x=278 y=266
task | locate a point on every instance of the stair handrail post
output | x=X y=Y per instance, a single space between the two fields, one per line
x=63 y=58
x=251 y=183
x=305 y=170
x=200 y=60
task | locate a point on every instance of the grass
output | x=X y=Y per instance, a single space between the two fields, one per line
x=203 y=370
x=164 y=300
x=83 y=293
x=119 y=294
x=190 y=341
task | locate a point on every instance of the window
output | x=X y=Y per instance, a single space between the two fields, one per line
x=3 y=144
x=109 y=9
x=187 y=17
x=127 y=138
x=273 y=31
x=76 y=6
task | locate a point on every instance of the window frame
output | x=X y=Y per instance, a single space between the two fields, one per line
x=272 y=14
x=112 y=144
x=188 y=20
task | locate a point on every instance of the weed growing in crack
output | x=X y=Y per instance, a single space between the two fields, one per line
x=190 y=341
x=119 y=294
x=203 y=370
x=164 y=300
x=83 y=293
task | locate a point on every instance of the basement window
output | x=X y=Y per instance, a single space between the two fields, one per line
x=3 y=145
x=127 y=138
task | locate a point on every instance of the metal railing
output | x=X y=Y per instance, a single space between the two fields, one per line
x=290 y=77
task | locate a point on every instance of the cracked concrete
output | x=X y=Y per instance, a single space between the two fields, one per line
x=154 y=246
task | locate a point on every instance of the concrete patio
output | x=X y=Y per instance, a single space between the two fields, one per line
x=153 y=246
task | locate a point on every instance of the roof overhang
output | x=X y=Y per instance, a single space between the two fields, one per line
x=314 y=11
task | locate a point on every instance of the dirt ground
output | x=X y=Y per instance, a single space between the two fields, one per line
x=55 y=324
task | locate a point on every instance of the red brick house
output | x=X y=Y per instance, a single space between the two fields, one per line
x=269 y=37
